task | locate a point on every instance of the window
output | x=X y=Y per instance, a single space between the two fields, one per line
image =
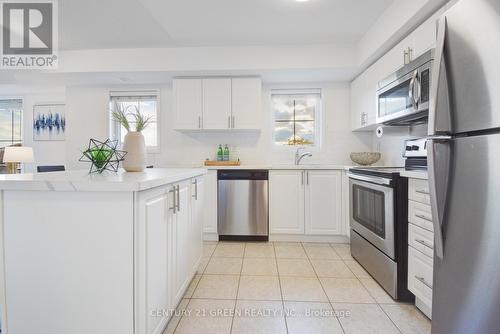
x=10 y=122
x=296 y=115
x=146 y=102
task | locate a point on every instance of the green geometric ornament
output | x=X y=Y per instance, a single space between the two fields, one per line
x=103 y=156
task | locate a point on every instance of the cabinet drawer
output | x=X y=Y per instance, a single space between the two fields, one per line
x=420 y=215
x=421 y=240
x=418 y=190
x=420 y=275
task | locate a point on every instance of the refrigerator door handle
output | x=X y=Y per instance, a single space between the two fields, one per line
x=439 y=123
x=438 y=155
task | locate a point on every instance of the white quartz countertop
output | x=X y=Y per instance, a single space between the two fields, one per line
x=415 y=174
x=81 y=180
x=286 y=166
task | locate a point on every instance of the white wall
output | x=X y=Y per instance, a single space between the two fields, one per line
x=392 y=142
x=46 y=152
x=88 y=117
x=187 y=148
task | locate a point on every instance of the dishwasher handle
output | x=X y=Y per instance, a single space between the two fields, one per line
x=243 y=174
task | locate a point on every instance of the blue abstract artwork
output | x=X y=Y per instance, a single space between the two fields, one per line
x=49 y=122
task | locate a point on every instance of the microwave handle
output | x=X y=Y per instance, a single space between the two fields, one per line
x=418 y=88
x=412 y=89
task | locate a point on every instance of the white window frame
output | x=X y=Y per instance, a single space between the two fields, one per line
x=115 y=128
x=318 y=117
x=15 y=97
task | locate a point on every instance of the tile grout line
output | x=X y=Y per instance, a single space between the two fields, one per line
x=238 y=288
x=323 y=288
x=190 y=298
x=390 y=319
x=281 y=290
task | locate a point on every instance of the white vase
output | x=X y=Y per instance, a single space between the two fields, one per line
x=135 y=146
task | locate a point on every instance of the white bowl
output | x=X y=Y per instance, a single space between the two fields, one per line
x=365 y=158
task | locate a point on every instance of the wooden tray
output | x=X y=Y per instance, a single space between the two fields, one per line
x=222 y=163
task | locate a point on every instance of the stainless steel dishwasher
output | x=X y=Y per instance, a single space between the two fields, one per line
x=242 y=203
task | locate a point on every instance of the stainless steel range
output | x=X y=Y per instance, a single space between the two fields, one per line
x=379 y=220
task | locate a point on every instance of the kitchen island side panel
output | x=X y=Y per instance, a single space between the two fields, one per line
x=68 y=261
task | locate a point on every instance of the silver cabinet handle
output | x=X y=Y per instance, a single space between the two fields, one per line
x=229 y=122
x=424 y=217
x=302 y=177
x=423 y=242
x=424 y=192
x=307 y=177
x=232 y=118
x=199 y=122
x=195 y=182
x=178 y=198
x=174 y=208
x=421 y=279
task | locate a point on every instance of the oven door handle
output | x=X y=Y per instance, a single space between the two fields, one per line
x=371 y=179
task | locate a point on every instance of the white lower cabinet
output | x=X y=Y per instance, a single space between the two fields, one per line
x=305 y=202
x=181 y=223
x=157 y=229
x=197 y=210
x=420 y=274
x=420 y=245
x=323 y=212
x=286 y=202
x=210 y=206
x=168 y=239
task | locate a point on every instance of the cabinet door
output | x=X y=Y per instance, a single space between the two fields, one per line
x=187 y=94
x=210 y=203
x=216 y=104
x=286 y=201
x=364 y=101
x=155 y=224
x=424 y=37
x=323 y=202
x=182 y=267
x=246 y=103
x=197 y=208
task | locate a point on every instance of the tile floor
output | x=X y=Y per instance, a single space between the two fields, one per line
x=285 y=287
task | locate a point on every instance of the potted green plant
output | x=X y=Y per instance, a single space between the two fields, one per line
x=133 y=143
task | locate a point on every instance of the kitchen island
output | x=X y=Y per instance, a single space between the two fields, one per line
x=109 y=253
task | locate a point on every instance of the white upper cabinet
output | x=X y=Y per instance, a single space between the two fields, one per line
x=246 y=103
x=216 y=104
x=188 y=108
x=364 y=87
x=323 y=202
x=364 y=101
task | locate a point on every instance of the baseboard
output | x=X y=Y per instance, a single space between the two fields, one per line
x=210 y=237
x=337 y=239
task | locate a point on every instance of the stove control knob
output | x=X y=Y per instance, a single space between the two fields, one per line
x=414 y=147
x=408 y=148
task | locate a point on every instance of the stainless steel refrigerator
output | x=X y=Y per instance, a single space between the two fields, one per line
x=464 y=169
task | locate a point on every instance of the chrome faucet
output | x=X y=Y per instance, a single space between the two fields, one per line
x=299 y=156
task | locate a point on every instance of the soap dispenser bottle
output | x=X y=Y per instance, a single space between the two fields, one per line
x=220 y=153
x=226 y=153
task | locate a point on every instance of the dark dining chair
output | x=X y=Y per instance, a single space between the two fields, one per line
x=44 y=169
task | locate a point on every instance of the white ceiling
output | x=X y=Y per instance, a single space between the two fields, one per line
x=97 y=24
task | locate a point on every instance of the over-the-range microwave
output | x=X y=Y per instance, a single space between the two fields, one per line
x=403 y=97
